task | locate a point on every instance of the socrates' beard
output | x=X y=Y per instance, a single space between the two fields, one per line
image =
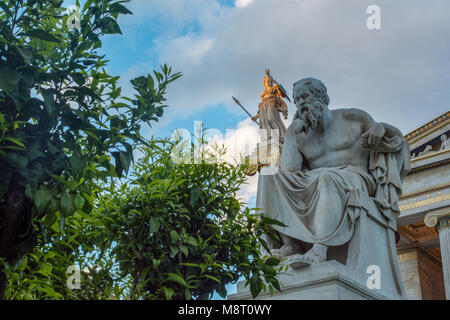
x=312 y=114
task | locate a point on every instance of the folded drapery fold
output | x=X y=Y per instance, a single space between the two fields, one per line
x=389 y=164
x=322 y=205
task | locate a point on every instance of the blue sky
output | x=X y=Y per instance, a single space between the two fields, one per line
x=399 y=74
x=138 y=52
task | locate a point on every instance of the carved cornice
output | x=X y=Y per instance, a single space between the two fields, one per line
x=407 y=255
x=413 y=250
x=433 y=217
x=420 y=192
x=436 y=123
x=431 y=165
x=424 y=203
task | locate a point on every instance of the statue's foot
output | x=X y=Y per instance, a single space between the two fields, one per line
x=317 y=254
x=284 y=251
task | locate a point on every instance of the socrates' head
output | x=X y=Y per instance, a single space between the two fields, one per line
x=313 y=87
x=310 y=97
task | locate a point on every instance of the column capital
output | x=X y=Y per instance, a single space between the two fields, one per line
x=444 y=222
x=433 y=217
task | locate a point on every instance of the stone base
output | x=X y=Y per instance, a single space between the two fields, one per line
x=266 y=154
x=325 y=281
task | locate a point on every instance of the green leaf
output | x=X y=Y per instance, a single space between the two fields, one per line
x=174 y=250
x=67 y=205
x=255 y=286
x=78 y=77
x=123 y=161
x=222 y=291
x=78 y=202
x=195 y=194
x=150 y=83
x=189 y=264
x=276 y=284
x=191 y=240
x=185 y=251
x=272 y=261
x=168 y=292
x=42 y=35
x=25 y=53
x=187 y=293
x=118 y=8
x=212 y=278
x=109 y=26
x=270 y=221
x=49 y=102
x=78 y=163
x=16 y=141
x=177 y=278
x=53 y=206
x=174 y=236
x=92 y=135
x=42 y=199
x=118 y=165
x=154 y=224
x=156 y=263
x=49 y=219
x=271 y=290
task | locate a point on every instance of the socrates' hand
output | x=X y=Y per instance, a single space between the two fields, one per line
x=373 y=136
x=297 y=126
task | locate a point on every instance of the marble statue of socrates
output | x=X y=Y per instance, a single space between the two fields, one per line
x=334 y=163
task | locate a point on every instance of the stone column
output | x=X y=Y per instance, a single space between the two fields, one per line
x=441 y=220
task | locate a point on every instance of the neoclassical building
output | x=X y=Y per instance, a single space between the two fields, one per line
x=424 y=224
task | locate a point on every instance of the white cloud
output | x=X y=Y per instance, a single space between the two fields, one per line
x=399 y=74
x=239 y=143
x=395 y=73
x=243 y=3
x=194 y=50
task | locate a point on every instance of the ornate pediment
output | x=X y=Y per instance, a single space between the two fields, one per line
x=427 y=186
x=430 y=143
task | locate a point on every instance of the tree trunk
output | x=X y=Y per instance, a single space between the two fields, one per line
x=11 y=219
x=3 y=282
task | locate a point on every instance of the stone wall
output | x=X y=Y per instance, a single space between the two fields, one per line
x=421 y=273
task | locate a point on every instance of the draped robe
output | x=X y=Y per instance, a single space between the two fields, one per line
x=323 y=204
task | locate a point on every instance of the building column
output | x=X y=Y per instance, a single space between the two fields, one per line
x=441 y=220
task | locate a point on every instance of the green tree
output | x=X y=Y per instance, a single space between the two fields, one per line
x=179 y=229
x=67 y=136
x=64 y=125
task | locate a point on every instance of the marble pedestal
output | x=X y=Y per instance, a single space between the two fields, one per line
x=267 y=153
x=325 y=281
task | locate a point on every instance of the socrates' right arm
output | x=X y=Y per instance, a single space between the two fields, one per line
x=291 y=158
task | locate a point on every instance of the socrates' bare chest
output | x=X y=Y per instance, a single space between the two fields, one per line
x=338 y=144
